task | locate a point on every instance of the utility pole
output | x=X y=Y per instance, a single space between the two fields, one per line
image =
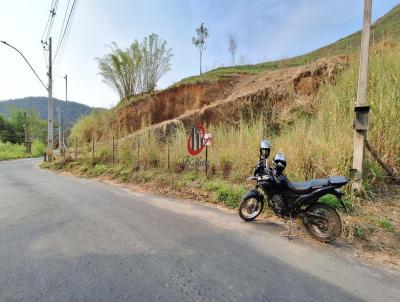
x=50 y=109
x=28 y=144
x=361 y=122
x=60 y=130
x=64 y=117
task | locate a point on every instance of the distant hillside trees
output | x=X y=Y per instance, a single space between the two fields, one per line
x=22 y=126
x=136 y=69
x=71 y=111
x=232 y=47
x=200 y=40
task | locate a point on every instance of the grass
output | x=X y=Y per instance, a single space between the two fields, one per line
x=316 y=145
x=386 y=224
x=15 y=151
x=11 y=151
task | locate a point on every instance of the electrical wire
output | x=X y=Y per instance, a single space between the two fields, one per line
x=64 y=38
x=62 y=27
x=63 y=30
x=53 y=12
x=48 y=20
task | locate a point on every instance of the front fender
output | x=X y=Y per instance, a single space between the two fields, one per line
x=254 y=193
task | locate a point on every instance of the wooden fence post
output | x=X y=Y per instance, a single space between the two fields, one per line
x=76 y=149
x=206 y=160
x=138 y=154
x=168 y=155
x=113 y=151
x=93 y=151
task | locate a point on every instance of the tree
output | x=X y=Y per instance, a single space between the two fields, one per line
x=22 y=126
x=200 y=40
x=156 y=60
x=116 y=68
x=232 y=47
x=136 y=69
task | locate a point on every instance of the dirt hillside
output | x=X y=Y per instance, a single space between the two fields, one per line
x=274 y=94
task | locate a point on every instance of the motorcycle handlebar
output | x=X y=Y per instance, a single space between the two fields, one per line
x=258 y=178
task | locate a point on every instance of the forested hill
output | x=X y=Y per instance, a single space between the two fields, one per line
x=72 y=110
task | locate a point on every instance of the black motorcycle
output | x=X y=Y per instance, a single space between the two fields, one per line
x=290 y=200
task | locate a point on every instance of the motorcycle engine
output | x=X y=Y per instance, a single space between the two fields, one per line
x=278 y=202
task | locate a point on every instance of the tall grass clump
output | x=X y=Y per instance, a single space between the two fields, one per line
x=15 y=151
x=38 y=148
x=11 y=151
x=324 y=145
x=96 y=125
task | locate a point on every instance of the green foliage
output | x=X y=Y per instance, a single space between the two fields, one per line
x=231 y=196
x=38 y=148
x=386 y=224
x=72 y=111
x=20 y=123
x=331 y=200
x=136 y=69
x=144 y=176
x=15 y=151
x=360 y=232
x=11 y=151
x=96 y=125
x=201 y=35
x=100 y=169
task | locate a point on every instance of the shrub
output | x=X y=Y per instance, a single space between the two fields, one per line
x=38 y=148
x=386 y=224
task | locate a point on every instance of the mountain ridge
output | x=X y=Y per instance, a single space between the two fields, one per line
x=73 y=111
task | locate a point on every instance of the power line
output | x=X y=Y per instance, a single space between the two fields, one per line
x=64 y=28
x=64 y=38
x=50 y=21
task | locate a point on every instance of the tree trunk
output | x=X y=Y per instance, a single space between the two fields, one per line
x=201 y=57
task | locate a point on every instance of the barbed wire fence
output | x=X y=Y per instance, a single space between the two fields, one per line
x=135 y=154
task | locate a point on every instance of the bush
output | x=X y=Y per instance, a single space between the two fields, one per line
x=12 y=151
x=231 y=196
x=38 y=148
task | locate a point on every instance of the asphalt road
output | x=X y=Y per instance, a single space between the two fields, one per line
x=68 y=239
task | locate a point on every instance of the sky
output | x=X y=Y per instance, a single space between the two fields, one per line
x=264 y=29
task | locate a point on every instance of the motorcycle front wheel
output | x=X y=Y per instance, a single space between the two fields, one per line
x=250 y=208
x=323 y=222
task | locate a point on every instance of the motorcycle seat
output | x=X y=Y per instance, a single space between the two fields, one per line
x=313 y=184
x=308 y=186
x=338 y=180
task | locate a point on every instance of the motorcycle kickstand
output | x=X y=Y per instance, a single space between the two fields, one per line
x=290 y=229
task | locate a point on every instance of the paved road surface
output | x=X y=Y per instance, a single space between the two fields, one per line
x=69 y=239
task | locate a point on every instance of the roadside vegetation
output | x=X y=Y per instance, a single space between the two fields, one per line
x=15 y=151
x=20 y=129
x=317 y=141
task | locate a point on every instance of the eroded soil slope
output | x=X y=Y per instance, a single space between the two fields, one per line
x=273 y=94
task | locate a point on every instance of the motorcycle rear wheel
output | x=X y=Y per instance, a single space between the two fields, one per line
x=250 y=208
x=328 y=226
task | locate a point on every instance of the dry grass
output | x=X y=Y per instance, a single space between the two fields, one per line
x=316 y=144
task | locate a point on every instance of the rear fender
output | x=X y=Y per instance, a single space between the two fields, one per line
x=313 y=197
